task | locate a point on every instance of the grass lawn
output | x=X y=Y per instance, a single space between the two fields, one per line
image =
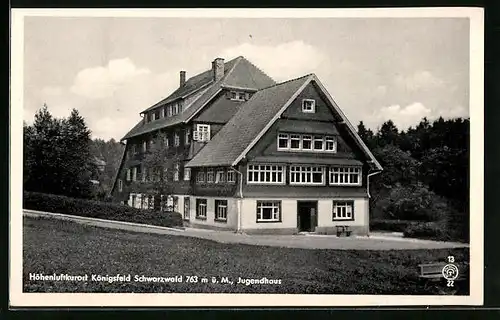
x=56 y=246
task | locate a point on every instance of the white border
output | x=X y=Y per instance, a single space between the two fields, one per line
x=20 y=299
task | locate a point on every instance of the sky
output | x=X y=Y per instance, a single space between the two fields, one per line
x=376 y=69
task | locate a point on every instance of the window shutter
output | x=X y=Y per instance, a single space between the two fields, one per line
x=208 y=133
x=228 y=94
x=195 y=135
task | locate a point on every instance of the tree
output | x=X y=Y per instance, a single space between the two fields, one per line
x=366 y=135
x=57 y=154
x=388 y=134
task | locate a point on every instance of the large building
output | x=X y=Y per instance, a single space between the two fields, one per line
x=245 y=153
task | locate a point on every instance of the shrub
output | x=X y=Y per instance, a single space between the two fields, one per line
x=96 y=209
x=389 y=225
x=414 y=202
x=427 y=230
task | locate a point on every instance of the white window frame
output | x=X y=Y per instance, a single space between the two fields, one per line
x=231 y=177
x=324 y=139
x=187 y=174
x=134 y=174
x=348 y=212
x=308 y=108
x=295 y=136
x=238 y=96
x=303 y=175
x=274 y=205
x=162 y=112
x=187 y=136
x=343 y=174
x=220 y=210
x=264 y=171
x=177 y=170
x=318 y=138
x=210 y=176
x=200 y=177
x=177 y=139
x=203 y=132
x=120 y=185
x=333 y=141
x=220 y=176
x=283 y=136
x=201 y=208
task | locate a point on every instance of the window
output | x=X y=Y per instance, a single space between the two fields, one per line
x=134 y=174
x=186 y=208
x=345 y=176
x=202 y=132
x=128 y=174
x=220 y=210
x=165 y=174
x=265 y=174
x=162 y=113
x=200 y=176
x=210 y=176
x=306 y=143
x=230 y=176
x=187 y=174
x=295 y=141
x=175 y=108
x=157 y=115
x=238 y=96
x=187 y=136
x=268 y=211
x=166 y=141
x=201 y=208
x=120 y=185
x=309 y=105
x=307 y=175
x=144 y=146
x=144 y=174
x=176 y=172
x=283 y=141
x=169 y=110
x=330 y=144
x=221 y=176
x=177 y=140
x=318 y=143
x=133 y=200
x=343 y=210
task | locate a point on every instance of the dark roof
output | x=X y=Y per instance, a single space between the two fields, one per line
x=247 y=123
x=193 y=84
x=220 y=111
x=238 y=70
x=289 y=125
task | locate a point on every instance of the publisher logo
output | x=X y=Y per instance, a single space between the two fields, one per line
x=450 y=272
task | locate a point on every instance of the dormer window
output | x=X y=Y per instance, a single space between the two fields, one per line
x=238 y=96
x=309 y=105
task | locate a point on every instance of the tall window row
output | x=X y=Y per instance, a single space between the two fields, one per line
x=211 y=175
x=167 y=111
x=306 y=143
x=304 y=175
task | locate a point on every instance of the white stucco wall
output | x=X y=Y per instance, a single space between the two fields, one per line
x=210 y=220
x=325 y=213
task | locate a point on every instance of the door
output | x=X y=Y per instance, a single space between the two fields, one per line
x=306 y=215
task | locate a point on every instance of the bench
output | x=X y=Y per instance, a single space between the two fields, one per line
x=343 y=230
x=431 y=271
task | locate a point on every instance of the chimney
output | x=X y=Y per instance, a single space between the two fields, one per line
x=218 y=69
x=182 y=78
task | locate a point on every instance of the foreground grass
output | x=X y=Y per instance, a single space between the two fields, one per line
x=56 y=246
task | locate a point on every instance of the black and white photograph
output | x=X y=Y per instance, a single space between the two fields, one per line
x=246 y=157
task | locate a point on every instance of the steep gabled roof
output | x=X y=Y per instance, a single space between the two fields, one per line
x=238 y=72
x=255 y=117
